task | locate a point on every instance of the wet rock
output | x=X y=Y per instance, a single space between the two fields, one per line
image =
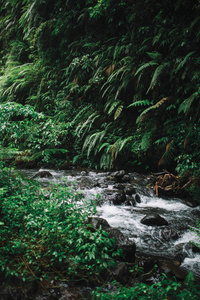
x=137 y=198
x=122 y=242
x=118 y=175
x=71 y=294
x=120 y=272
x=195 y=249
x=97 y=222
x=125 y=178
x=83 y=173
x=87 y=182
x=130 y=191
x=118 y=198
x=169 y=234
x=170 y=267
x=154 y=220
x=130 y=201
x=119 y=186
x=43 y=174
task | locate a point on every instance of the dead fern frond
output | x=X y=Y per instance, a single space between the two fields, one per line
x=110 y=69
x=168 y=155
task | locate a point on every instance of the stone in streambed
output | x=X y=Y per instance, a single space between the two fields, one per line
x=154 y=220
x=118 y=175
x=118 y=198
x=43 y=174
x=130 y=191
x=97 y=222
x=137 y=198
x=169 y=234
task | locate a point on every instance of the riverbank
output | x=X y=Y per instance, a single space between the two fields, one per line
x=39 y=209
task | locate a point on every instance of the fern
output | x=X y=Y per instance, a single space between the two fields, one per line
x=112 y=105
x=139 y=103
x=155 y=55
x=118 y=112
x=156 y=75
x=159 y=103
x=145 y=66
x=185 y=106
x=168 y=155
x=183 y=62
x=84 y=127
x=146 y=141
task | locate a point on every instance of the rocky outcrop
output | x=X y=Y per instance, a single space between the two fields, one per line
x=154 y=220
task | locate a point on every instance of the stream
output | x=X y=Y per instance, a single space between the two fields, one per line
x=167 y=241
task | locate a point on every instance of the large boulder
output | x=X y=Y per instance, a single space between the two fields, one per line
x=154 y=220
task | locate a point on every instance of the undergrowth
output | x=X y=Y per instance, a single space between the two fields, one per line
x=48 y=237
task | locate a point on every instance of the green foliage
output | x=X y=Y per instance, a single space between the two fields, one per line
x=163 y=289
x=49 y=236
x=35 y=136
x=93 y=63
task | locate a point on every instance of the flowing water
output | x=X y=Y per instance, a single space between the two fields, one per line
x=158 y=241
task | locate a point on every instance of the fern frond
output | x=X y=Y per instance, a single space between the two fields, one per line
x=118 y=111
x=185 y=106
x=112 y=105
x=162 y=140
x=139 y=118
x=156 y=75
x=146 y=141
x=86 y=126
x=182 y=63
x=168 y=155
x=145 y=66
x=139 y=103
x=159 y=103
x=155 y=55
x=110 y=69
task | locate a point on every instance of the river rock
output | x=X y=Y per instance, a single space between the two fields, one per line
x=130 y=191
x=97 y=222
x=154 y=220
x=118 y=175
x=169 y=234
x=43 y=174
x=119 y=186
x=137 y=198
x=126 y=178
x=118 y=198
x=87 y=182
x=122 y=242
x=130 y=201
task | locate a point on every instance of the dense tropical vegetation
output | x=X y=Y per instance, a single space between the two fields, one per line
x=95 y=83
x=101 y=83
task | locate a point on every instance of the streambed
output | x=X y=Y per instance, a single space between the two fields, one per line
x=167 y=241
